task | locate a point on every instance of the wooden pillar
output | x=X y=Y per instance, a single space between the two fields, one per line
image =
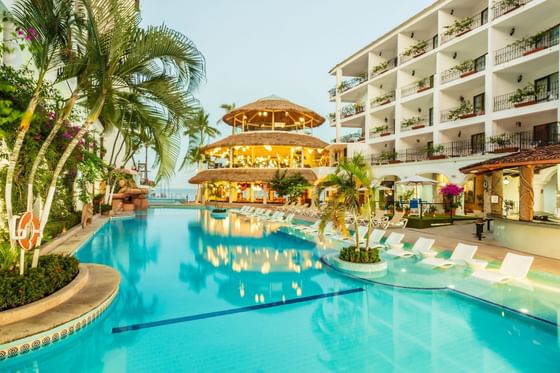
x=526 y=193
x=497 y=193
x=252 y=192
x=231 y=190
x=231 y=157
x=265 y=193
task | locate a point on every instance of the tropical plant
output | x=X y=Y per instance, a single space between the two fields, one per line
x=381 y=129
x=450 y=192
x=358 y=107
x=464 y=67
x=506 y=4
x=382 y=99
x=124 y=62
x=388 y=155
x=379 y=68
x=432 y=150
x=458 y=26
x=226 y=108
x=416 y=49
x=342 y=86
x=465 y=108
x=500 y=140
x=46 y=25
x=291 y=187
x=521 y=94
x=411 y=122
x=352 y=195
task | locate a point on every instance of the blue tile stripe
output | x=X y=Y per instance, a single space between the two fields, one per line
x=153 y=324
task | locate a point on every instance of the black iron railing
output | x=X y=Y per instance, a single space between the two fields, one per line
x=476 y=21
x=504 y=143
x=419 y=86
x=463 y=70
x=418 y=49
x=457 y=114
x=505 y=6
x=529 y=45
x=511 y=100
x=383 y=67
x=383 y=99
x=382 y=130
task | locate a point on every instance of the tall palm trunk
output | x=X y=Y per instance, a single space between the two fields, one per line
x=14 y=156
x=48 y=141
x=91 y=119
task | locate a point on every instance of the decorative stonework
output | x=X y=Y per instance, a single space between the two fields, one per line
x=44 y=339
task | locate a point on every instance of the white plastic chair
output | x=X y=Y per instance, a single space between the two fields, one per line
x=514 y=267
x=461 y=254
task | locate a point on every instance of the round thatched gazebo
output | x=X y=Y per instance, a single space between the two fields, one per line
x=270 y=135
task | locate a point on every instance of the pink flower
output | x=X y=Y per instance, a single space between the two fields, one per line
x=451 y=190
x=20 y=32
x=51 y=115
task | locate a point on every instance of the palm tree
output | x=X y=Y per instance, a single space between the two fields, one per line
x=48 y=25
x=226 y=108
x=351 y=178
x=157 y=64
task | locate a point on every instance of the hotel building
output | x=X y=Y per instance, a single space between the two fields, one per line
x=460 y=82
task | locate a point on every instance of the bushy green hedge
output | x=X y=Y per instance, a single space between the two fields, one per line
x=57 y=226
x=350 y=254
x=53 y=273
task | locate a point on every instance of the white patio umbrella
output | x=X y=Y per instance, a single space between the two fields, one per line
x=417 y=180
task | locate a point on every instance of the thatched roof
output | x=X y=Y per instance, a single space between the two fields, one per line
x=272 y=138
x=285 y=114
x=246 y=175
x=543 y=156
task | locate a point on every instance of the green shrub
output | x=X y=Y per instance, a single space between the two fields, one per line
x=56 y=227
x=53 y=273
x=350 y=254
x=105 y=208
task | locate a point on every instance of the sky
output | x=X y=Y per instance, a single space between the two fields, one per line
x=256 y=48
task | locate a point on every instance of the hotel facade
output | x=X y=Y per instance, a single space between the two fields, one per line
x=461 y=82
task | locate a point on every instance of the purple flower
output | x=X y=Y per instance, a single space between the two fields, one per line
x=451 y=190
x=51 y=115
x=67 y=135
x=20 y=32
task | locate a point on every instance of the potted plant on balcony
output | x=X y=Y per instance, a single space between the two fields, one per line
x=347 y=111
x=514 y=4
x=524 y=96
x=465 y=110
x=390 y=156
x=423 y=85
x=358 y=107
x=459 y=27
x=379 y=69
x=413 y=122
x=332 y=117
x=342 y=86
x=465 y=68
x=416 y=49
x=382 y=130
x=433 y=152
x=503 y=144
x=382 y=100
x=532 y=43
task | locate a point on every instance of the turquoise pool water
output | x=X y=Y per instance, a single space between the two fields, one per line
x=232 y=295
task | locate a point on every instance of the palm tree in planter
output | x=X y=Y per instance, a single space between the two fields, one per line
x=352 y=195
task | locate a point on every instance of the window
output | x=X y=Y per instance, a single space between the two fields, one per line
x=484 y=16
x=478 y=104
x=477 y=143
x=435 y=41
x=431 y=116
x=480 y=63
x=547 y=87
x=546 y=134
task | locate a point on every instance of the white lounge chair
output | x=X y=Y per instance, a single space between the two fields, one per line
x=361 y=233
x=248 y=210
x=422 y=246
x=514 y=267
x=460 y=256
x=277 y=216
x=379 y=219
x=397 y=221
x=393 y=238
x=374 y=239
x=313 y=228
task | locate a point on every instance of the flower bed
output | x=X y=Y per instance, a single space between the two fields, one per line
x=52 y=274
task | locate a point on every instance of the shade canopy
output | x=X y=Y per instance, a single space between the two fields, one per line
x=417 y=180
x=540 y=157
x=274 y=113
x=247 y=175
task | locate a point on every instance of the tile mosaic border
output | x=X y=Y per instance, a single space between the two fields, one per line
x=43 y=339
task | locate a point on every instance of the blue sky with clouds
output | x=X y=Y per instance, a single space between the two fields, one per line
x=255 y=48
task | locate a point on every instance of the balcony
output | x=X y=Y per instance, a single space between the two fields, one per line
x=528 y=45
x=463 y=111
x=382 y=130
x=506 y=6
x=352 y=137
x=383 y=67
x=463 y=26
x=382 y=99
x=414 y=123
x=332 y=118
x=417 y=49
x=417 y=87
x=526 y=96
x=464 y=69
x=504 y=143
x=351 y=110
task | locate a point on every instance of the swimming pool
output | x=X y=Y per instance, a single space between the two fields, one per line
x=199 y=294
